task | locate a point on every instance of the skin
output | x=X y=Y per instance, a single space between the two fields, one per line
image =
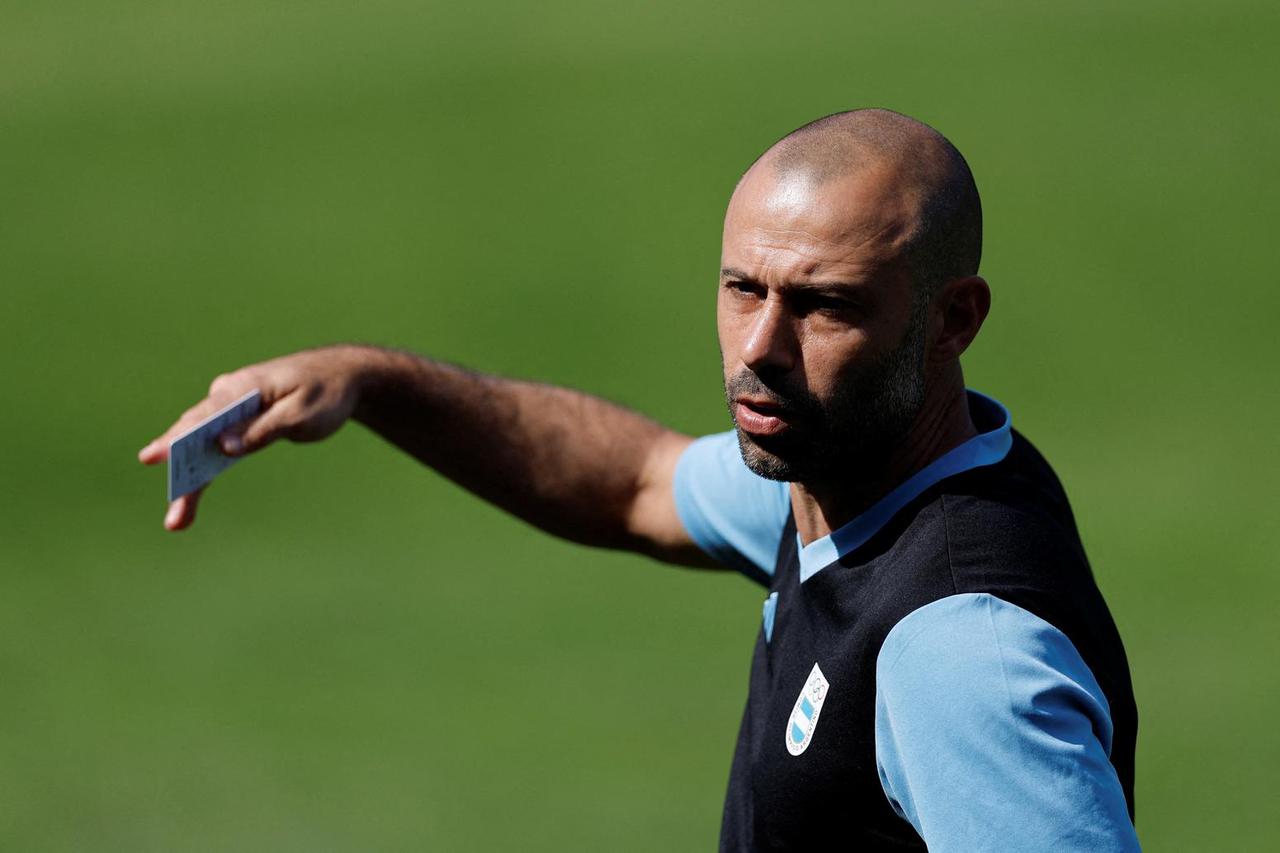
x=815 y=292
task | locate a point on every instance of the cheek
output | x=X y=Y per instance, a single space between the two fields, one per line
x=832 y=359
x=728 y=333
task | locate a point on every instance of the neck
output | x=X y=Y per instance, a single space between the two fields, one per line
x=942 y=424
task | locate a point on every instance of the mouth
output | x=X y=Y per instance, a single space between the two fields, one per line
x=757 y=416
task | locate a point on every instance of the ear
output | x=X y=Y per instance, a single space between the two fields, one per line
x=957 y=313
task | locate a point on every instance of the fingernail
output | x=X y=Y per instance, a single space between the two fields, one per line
x=171 y=517
x=146 y=448
x=231 y=445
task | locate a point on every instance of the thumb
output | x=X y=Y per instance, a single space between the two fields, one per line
x=259 y=432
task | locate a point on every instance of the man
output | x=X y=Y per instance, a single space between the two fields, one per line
x=935 y=665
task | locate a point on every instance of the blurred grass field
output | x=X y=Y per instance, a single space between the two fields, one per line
x=346 y=653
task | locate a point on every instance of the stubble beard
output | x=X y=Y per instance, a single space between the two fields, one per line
x=868 y=417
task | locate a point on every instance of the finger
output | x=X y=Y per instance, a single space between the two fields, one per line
x=262 y=430
x=157 y=450
x=223 y=390
x=182 y=512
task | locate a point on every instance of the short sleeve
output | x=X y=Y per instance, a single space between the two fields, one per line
x=733 y=514
x=992 y=733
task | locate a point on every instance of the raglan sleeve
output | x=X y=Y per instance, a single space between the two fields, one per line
x=734 y=515
x=992 y=733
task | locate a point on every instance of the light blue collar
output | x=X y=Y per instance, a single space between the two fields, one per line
x=986 y=448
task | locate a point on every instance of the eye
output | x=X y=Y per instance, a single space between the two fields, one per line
x=744 y=289
x=826 y=304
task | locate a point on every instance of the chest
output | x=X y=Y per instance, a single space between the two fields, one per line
x=807 y=749
x=812 y=691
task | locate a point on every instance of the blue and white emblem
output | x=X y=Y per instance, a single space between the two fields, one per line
x=804 y=716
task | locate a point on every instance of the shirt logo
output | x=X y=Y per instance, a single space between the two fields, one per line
x=804 y=716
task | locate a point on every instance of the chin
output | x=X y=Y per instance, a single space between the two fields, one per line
x=765 y=463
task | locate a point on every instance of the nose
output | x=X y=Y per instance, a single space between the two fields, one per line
x=771 y=344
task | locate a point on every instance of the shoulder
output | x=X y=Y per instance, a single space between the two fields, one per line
x=733 y=514
x=1011 y=522
x=977 y=644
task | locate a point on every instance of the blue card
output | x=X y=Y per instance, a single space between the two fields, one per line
x=195 y=457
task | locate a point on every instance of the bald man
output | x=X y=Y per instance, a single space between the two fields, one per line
x=935 y=666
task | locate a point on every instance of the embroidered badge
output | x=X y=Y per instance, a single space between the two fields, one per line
x=804 y=716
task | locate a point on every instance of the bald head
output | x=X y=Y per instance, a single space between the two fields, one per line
x=928 y=174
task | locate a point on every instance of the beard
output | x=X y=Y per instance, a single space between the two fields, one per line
x=870 y=414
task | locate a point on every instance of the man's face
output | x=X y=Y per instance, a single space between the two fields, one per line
x=821 y=336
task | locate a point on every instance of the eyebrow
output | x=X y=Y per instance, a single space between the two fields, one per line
x=730 y=272
x=739 y=275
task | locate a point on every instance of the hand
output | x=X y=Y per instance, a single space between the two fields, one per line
x=306 y=396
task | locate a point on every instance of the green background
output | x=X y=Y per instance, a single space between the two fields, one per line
x=347 y=653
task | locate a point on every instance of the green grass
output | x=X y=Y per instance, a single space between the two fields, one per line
x=348 y=654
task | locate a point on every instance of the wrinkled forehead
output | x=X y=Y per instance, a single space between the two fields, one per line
x=777 y=216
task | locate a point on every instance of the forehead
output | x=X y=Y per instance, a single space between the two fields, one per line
x=790 y=224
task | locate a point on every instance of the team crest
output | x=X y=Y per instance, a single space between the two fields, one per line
x=804 y=716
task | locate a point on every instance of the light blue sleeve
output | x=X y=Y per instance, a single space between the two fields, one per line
x=992 y=733
x=733 y=514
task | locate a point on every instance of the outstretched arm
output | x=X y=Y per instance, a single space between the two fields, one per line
x=569 y=463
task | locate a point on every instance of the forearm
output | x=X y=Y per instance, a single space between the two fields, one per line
x=569 y=463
